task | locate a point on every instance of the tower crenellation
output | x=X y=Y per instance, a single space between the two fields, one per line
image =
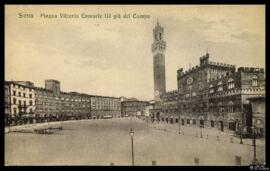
x=250 y=70
x=180 y=72
x=204 y=60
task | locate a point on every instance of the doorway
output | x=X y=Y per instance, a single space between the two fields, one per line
x=202 y=123
x=221 y=126
x=158 y=116
x=232 y=126
x=183 y=121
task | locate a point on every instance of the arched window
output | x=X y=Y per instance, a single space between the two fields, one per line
x=220 y=86
x=14 y=111
x=230 y=83
x=211 y=105
x=156 y=37
x=220 y=109
x=211 y=88
x=212 y=123
x=255 y=80
x=231 y=107
x=180 y=85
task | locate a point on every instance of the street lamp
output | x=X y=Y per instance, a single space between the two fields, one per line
x=254 y=145
x=62 y=120
x=179 y=123
x=131 y=132
x=241 y=141
x=201 y=131
x=9 y=122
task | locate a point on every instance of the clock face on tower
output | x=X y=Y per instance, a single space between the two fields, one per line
x=189 y=80
x=157 y=93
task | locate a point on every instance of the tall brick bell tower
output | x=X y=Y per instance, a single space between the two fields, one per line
x=158 y=49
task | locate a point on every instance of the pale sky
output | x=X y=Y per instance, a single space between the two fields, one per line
x=113 y=57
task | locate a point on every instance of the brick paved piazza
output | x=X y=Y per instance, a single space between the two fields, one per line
x=101 y=142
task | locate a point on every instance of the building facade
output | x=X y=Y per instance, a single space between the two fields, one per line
x=55 y=104
x=169 y=108
x=75 y=105
x=158 y=50
x=193 y=89
x=46 y=104
x=258 y=114
x=25 y=103
x=212 y=95
x=133 y=107
x=21 y=101
x=105 y=107
x=148 y=110
x=7 y=104
x=228 y=105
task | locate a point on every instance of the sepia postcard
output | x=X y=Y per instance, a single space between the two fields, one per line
x=135 y=85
